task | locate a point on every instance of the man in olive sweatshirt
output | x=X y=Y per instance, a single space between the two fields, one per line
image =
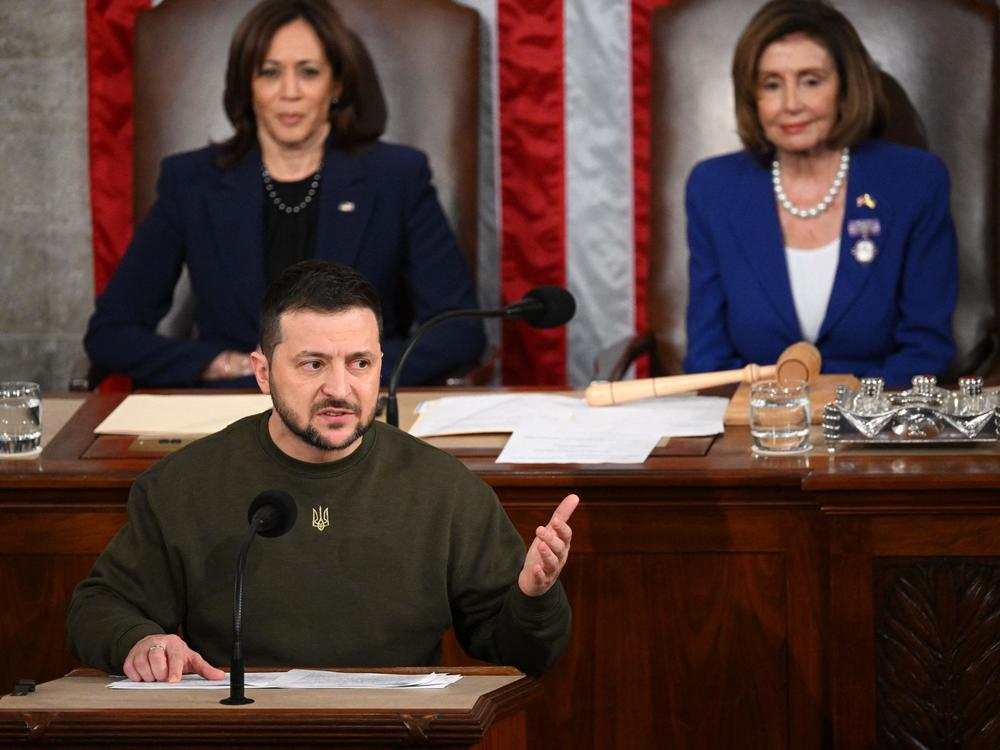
x=404 y=540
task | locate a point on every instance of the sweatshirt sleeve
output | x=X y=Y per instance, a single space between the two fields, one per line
x=493 y=619
x=131 y=592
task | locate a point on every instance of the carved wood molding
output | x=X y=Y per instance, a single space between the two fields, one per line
x=937 y=642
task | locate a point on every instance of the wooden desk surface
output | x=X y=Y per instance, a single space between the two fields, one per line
x=75 y=458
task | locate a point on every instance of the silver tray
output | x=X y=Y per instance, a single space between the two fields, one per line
x=923 y=415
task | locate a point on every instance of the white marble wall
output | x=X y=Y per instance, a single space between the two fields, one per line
x=46 y=278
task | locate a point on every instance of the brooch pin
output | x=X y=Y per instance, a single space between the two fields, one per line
x=346 y=207
x=864 y=250
x=865 y=200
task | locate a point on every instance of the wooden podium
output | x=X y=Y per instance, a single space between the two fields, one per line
x=485 y=710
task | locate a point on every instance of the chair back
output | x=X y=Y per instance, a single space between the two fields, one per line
x=939 y=63
x=425 y=52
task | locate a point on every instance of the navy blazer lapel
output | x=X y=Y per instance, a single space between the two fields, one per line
x=852 y=276
x=347 y=199
x=236 y=213
x=763 y=246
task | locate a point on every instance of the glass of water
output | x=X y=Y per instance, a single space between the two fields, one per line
x=779 y=416
x=20 y=418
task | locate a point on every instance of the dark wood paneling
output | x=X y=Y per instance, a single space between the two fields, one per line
x=719 y=600
x=34 y=594
x=937 y=635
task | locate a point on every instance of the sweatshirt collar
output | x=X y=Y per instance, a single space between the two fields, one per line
x=327 y=469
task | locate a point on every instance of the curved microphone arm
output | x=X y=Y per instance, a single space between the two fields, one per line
x=237 y=696
x=391 y=405
x=271 y=514
x=542 y=307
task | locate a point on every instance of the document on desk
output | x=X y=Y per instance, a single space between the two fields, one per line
x=303 y=679
x=180 y=415
x=561 y=429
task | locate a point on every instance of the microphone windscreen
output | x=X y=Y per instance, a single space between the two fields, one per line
x=557 y=308
x=275 y=511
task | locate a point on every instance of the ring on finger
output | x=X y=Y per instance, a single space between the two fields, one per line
x=156 y=647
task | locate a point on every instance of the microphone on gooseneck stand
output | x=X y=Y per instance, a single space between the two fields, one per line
x=271 y=514
x=542 y=307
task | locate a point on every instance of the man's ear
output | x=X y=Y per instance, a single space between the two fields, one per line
x=260 y=370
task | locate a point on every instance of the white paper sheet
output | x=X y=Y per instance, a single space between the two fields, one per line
x=302 y=679
x=546 y=443
x=561 y=429
x=180 y=415
x=470 y=415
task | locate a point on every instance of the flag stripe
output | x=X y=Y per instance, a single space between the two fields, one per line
x=109 y=81
x=532 y=174
x=641 y=81
x=488 y=227
x=599 y=244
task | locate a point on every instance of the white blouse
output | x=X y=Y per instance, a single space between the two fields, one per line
x=811 y=273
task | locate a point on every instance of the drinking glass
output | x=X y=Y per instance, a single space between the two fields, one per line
x=20 y=418
x=779 y=416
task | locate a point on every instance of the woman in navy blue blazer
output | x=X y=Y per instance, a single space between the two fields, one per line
x=817 y=231
x=303 y=176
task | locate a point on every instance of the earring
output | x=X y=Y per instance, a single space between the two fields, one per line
x=334 y=102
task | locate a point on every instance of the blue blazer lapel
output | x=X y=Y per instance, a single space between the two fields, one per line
x=347 y=199
x=236 y=214
x=764 y=247
x=852 y=276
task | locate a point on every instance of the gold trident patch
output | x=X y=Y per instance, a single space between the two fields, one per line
x=321 y=517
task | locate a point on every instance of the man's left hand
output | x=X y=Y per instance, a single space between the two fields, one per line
x=549 y=550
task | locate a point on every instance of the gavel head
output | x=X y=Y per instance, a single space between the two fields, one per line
x=800 y=361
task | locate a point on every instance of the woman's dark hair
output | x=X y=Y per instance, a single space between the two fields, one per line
x=323 y=286
x=863 y=108
x=359 y=116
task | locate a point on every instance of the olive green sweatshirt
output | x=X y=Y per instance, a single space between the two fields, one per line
x=414 y=543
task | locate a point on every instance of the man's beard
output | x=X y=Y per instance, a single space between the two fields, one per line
x=308 y=433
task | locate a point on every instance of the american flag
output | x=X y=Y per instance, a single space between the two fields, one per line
x=566 y=201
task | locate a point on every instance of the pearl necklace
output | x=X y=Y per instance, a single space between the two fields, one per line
x=282 y=206
x=831 y=194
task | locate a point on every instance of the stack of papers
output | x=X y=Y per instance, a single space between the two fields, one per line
x=560 y=429
x=303 y=678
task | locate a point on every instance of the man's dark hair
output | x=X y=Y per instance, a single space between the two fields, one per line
x=359 y=116
x=317 y=285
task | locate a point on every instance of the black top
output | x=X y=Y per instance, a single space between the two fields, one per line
x=289 y=237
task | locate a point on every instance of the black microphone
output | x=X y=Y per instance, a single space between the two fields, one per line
x=271 y=514
x=542 y=307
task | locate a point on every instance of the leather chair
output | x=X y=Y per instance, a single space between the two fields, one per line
x=426 y=53
x=939 y=59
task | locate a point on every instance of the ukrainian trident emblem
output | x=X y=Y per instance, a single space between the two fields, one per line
x=321 y=517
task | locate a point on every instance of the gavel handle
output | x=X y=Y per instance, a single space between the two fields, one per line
x=604 y=393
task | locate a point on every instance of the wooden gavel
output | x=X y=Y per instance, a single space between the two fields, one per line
x=800 y=361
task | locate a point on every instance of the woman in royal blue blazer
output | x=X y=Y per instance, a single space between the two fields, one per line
x=817 y=231
x=303 y=176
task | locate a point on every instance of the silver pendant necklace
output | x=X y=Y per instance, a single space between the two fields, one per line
x=831 y=194
x=282 y=206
